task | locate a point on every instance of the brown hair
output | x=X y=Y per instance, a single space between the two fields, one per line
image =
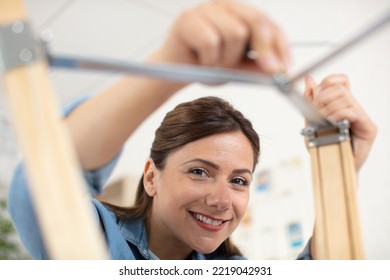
x=186 y=123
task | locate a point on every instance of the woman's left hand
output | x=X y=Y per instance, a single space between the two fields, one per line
x=334 y=100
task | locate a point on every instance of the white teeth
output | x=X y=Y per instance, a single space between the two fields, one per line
x=207 y=220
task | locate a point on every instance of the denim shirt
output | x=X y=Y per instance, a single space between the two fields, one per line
x=125 y=239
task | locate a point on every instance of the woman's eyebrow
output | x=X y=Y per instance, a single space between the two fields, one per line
x=242 y=170
x=207 y=162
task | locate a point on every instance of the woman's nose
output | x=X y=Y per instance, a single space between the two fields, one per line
x=220 y=197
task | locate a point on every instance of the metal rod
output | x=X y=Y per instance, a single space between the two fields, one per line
x=313 y=117
x=344 y=46
x=187 y=73
x=174 y=72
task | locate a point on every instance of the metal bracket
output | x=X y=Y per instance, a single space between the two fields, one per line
x=327 y=136
x=283 y=83
x=18 y=46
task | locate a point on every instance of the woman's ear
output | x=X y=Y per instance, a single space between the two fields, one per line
x=150 y=178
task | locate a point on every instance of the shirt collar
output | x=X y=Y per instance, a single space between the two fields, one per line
x=135 y=232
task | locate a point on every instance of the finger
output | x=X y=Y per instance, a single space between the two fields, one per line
x=270 y=48
x=282 y=47
x=322 y=97
x=338 y=108
x=310 y=85
x=343 y=114
x=263 y=42
x=337 y=103
x=332 y=80
x=335 y=96
x=200 y=36
x=233 y=32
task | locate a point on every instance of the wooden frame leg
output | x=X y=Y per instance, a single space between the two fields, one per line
x=57 y=187
x=337 y=230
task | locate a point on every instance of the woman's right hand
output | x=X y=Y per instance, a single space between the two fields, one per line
x=219 y=33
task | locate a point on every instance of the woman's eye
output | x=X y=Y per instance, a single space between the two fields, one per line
x=239 y=181
x=198 y=172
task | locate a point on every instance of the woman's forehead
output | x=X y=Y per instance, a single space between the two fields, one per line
x=231 y=146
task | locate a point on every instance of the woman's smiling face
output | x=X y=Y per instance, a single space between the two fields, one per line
x=201 y=194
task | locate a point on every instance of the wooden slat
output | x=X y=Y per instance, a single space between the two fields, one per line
x=334 y=202
x=337 y=231
x=351 y=200
x=319 y=242
x=11 y=11
x=57 y=187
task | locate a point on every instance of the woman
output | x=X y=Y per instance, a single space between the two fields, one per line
x=194 y=189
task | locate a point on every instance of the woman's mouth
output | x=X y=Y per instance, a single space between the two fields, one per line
x=207 y=222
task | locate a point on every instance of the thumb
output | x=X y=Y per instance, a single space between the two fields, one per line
x=310 y=85
x=308 y=93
